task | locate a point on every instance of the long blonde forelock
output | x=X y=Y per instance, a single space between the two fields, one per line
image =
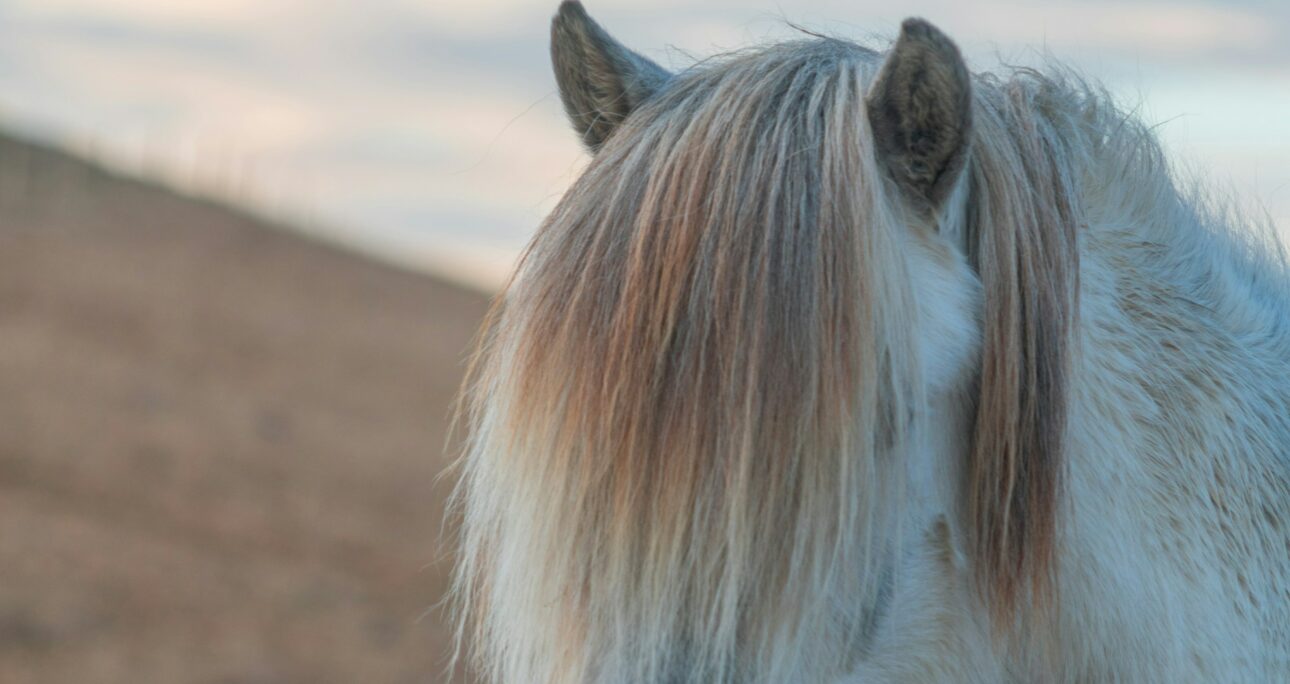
x=692 y=366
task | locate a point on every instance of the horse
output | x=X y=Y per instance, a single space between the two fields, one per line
x=845 y=365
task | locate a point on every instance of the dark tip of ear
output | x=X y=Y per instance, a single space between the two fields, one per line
x=917 y=29
x=913 y=26
x=571 y=13
x=572 y=23
x=571 y=9
x=573 y=19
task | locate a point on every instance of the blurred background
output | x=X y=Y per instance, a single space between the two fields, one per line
x=244 y=246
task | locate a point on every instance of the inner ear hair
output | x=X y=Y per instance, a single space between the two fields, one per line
x=920 y=110
x=601 y=81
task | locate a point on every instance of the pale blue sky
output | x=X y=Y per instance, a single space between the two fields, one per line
x=429 y=130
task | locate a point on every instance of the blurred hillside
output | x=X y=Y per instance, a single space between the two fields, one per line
x=219 y=445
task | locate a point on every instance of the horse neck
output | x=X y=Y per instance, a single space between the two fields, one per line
x=1198 y=262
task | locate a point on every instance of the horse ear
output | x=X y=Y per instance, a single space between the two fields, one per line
x=920 y=109
x=601 y=82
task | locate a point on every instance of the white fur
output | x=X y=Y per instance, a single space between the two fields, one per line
x=1174 y=553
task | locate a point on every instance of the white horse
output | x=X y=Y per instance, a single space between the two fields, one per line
x=844 y=366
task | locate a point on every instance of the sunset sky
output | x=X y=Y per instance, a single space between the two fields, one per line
x=429 y=131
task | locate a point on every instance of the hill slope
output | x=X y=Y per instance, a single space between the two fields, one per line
x=220 y=442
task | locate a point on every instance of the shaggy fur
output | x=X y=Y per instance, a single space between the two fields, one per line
x=809 y=379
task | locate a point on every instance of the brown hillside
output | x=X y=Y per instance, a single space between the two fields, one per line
x=219 y=445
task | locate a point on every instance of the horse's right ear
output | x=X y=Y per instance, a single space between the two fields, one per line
x=920 y=109
x=601 y=82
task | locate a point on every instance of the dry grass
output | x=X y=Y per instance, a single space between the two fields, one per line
x=219 y=443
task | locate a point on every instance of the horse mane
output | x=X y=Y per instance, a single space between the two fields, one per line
x=681 y=406
x=1022 y=220
x=690 y=363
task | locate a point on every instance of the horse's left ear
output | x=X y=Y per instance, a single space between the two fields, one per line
x=601 y=82
x=920 y=110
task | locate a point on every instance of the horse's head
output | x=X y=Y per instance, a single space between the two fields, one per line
x=721 y=359
x=896 y=128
